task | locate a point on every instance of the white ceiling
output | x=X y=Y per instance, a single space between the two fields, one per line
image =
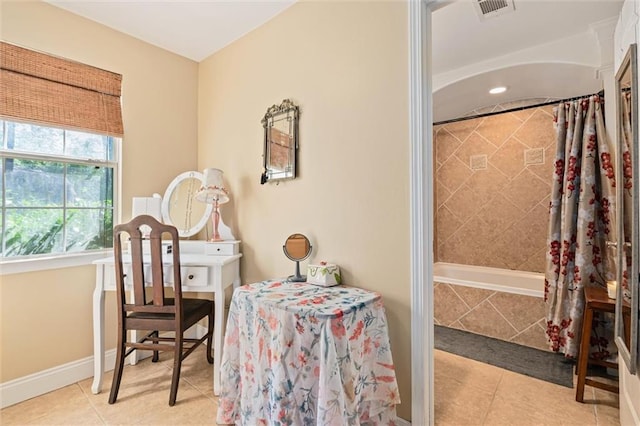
x=197 y=29
x=460 y=37
x=191 y=28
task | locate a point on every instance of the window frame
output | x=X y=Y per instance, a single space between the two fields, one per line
x=40 y=262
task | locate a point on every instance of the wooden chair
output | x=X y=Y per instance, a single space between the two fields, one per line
x=150 y=309
x=596 y=299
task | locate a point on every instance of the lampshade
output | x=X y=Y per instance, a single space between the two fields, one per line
x=213 y=188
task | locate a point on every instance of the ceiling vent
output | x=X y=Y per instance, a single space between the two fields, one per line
x=492 y=8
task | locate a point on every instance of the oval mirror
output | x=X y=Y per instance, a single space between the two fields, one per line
x=179 y=207
x=297 y=248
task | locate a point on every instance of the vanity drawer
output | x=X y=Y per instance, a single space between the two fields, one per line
x=222 y=248
x=194 y=276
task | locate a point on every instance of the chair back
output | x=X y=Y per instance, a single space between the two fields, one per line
x=148 y=266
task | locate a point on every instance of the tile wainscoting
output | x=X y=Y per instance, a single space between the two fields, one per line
x=506 y=316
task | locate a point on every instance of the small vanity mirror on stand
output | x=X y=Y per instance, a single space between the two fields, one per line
x=297 y=248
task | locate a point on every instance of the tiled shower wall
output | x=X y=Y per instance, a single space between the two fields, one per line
x=493 y=181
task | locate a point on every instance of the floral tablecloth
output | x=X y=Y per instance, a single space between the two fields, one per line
x=299 y=354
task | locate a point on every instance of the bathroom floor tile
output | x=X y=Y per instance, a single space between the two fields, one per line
x=607 y=407
x=536 y=402
x=450 y=367
x=463 y=387
x=458 y=403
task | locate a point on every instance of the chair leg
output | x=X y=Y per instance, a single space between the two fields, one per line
x=583 y=356
x=117 y=372
x=210 y=336
x=156 y=356
x=177 y=363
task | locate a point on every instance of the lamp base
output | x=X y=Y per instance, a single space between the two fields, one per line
x=215 y=220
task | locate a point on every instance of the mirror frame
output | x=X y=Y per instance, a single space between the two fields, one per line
x=166 y=216
x=297 y=259
x=297 y=277
x=287 y=110
x=628 y=353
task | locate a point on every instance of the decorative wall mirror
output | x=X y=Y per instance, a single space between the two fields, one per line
x=628 y=245
x=179 y=207
x=297 y=248
x=280 y=142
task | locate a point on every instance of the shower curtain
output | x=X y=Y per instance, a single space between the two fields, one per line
x=627 y=184
x=581 y=213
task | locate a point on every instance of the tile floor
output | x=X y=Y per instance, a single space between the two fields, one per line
x=467 y=392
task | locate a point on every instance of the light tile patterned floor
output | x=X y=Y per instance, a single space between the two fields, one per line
x=467 y=393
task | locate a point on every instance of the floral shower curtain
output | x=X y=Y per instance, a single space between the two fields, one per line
x=581 y=213
x=627 y=184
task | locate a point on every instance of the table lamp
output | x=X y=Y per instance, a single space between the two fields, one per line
x=213 y=192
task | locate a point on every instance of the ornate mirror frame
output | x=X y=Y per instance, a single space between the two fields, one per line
x=627 y=202
x=280 y=142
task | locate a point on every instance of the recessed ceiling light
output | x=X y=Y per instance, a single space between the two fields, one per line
x=497 y=90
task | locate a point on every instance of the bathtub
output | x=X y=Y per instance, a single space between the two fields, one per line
x=505 y=280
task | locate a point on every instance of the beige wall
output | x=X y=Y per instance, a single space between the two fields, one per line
x=46 y=316
x=345 y=65
x=495 y=213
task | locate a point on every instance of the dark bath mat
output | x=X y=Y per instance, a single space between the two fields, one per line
x=532 y=362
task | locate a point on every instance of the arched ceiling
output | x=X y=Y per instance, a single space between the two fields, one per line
x=523 y=81
x=541 y=49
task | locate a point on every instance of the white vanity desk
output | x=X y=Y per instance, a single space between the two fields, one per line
x=200 y=273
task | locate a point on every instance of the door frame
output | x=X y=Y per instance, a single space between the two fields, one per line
x=421 y=210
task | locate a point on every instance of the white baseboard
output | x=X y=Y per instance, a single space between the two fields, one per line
x=36 y=384
x=403 y=422
x=27 y=387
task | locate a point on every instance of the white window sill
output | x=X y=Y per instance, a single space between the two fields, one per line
x=21 y=266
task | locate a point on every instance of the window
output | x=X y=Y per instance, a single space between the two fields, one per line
x=60 y=130
x=57 y=190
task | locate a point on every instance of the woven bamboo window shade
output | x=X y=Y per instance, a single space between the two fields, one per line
x=53 y=91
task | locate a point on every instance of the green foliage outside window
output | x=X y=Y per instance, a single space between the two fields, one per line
x=57 y=190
